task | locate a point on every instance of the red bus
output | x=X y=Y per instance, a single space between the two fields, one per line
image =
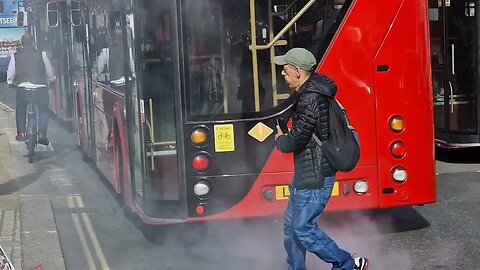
x=176 y=101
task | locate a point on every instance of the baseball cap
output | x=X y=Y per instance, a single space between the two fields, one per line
x=298 y=57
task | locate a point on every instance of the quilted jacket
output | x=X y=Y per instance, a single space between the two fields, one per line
x=310 y=114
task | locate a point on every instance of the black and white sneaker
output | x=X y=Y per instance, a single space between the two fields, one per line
x=361 y=263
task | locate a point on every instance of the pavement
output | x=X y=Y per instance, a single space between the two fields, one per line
x=28 y=231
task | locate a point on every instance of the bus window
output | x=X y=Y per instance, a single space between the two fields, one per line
x=75 y=13
x=107 y=45
x=1 y=7
x=221 y=70
x=157 y=74
x=99 y=47
x=52 y=14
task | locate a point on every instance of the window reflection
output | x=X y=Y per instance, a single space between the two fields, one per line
x=157 y=73
x=107 y=44
x=219 y=63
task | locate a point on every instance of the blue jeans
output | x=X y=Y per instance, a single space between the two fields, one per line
x=301 y=231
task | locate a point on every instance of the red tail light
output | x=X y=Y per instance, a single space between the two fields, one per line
x=398 y=149
x=200 y=162
x=200 y=209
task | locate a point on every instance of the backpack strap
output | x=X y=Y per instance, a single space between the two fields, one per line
x=315 y=137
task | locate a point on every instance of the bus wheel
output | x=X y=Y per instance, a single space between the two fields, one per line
x=121 y=179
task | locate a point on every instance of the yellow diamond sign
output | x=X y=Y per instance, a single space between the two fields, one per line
x=260 y=131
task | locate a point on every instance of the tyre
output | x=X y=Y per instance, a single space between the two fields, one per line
x=31 y=146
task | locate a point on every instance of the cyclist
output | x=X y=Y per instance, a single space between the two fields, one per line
x=31 y=71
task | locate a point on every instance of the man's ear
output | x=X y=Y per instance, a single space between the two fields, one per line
x=298 y=72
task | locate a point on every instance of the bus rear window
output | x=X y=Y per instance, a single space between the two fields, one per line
x=221 y=76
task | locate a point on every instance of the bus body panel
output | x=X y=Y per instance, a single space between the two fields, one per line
x=256 y=205
x=405 y=90
x=106 y=102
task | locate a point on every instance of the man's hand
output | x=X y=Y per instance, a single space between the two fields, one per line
x=279 y=132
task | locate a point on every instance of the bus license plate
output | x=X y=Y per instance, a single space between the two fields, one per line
x=282 y=192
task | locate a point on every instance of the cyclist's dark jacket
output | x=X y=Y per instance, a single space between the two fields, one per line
x=29 y=67
x=310 y=114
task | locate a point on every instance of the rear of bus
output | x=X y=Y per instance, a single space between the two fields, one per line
x=207 y=95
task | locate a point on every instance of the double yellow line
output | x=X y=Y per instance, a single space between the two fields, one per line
x=76 y=202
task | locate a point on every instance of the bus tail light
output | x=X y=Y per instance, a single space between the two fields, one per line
x=360 y=187
x=200 y=209
x=398 y=149
x=199 y=136
x=399 y=174
x=397 y=124
x=200 y=162
x=201 y=189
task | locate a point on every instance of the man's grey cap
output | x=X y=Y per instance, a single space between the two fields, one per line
x=298 y=57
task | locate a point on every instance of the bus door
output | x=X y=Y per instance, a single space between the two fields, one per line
x=82 y=72
x=60 y=52
x=454 y=50
x=152 y=111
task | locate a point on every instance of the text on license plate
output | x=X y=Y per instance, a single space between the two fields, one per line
x=282 y=192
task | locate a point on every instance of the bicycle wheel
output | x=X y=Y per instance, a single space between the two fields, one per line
x=31 y=146
x=31 y=131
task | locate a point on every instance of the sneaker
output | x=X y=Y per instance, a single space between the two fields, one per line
x=21 y=136
x=43 y=140
x=361 y=263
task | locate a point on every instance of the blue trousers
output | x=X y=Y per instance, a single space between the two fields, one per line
x=301 y=231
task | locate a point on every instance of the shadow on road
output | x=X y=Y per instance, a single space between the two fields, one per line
x=44 y=161
x=458 y=155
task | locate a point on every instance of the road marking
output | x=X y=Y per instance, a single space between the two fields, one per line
x=91 y=233
x=81 y=235
x=26 y=232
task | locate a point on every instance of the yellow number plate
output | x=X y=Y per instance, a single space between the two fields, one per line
x=282 y=192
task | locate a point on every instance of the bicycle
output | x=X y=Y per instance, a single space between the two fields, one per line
x=32 y=124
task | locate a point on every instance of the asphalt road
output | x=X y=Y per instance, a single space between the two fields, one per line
x=95 y=234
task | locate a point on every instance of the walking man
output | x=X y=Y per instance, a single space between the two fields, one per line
x=30 y=71
x=314 y=177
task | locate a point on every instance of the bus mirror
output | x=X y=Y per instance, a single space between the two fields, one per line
x=75 y=13
x=52 y=14
x=20 y=18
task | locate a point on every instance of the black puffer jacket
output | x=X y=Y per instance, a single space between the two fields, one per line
x=310 y=114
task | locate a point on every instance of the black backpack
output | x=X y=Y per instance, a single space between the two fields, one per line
x=343 y=147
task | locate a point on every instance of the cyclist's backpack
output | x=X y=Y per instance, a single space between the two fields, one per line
x=342 y=149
